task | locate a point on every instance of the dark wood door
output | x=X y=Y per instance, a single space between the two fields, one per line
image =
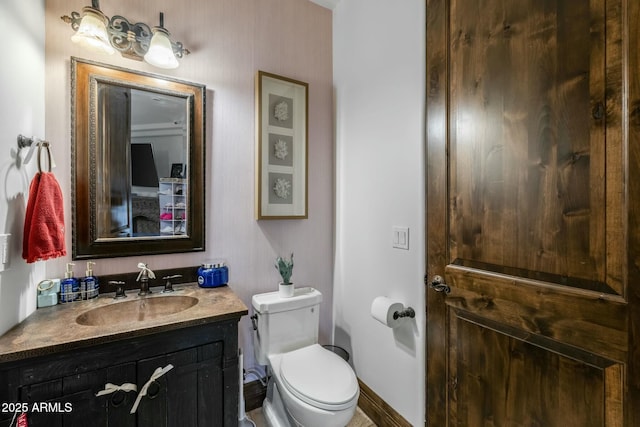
x=114 y=157
x=533 y=213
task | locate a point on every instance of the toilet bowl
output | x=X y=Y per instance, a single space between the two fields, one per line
x=317 y=387
x=309 y=385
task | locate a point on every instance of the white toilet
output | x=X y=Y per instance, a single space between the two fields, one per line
x=309 y=385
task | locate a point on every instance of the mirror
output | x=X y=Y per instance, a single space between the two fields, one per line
x=138 y=158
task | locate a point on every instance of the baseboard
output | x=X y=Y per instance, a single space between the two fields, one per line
x=254 y=394
x=378 y=410
x=371 y=404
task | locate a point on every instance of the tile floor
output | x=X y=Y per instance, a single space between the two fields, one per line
x=360 y=419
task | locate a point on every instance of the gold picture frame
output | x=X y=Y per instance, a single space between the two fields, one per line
x=282 y=113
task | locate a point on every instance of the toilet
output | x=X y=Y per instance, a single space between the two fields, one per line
x=309 y=385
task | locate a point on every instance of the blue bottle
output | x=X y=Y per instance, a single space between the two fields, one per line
x=89 y=284
x=69 y=287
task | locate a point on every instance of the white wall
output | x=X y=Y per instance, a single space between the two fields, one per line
x=21 y=112
x=379 y=75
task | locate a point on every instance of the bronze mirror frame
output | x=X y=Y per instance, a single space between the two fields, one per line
x=85 y=76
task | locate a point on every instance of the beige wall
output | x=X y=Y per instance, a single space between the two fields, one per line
x=230 y=40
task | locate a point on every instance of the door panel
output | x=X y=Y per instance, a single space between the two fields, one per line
x=525 y=384
x=531 y=215
x=582 y=319
x=526 y=182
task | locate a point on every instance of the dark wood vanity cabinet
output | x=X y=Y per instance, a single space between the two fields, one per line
x=190 y=394
x=200 y=390
x=71 y=400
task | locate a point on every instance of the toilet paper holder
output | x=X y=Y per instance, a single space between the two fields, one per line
x=407 y=312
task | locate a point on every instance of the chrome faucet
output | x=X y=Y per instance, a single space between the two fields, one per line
x=143 y=278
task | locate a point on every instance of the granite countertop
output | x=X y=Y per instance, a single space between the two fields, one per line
x=54 y=329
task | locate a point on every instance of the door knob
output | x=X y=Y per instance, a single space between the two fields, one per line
x=438 y=285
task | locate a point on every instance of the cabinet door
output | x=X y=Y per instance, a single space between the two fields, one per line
x=190 y=394
x=118 y=404
x=71 y=401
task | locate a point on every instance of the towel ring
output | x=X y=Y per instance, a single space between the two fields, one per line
x=44 y=144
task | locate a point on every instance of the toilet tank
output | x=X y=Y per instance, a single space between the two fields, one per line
x=285 y=324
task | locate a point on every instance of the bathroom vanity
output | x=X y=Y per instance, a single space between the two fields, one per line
x=53 y=365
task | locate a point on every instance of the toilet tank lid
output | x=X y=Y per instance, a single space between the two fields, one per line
x=272 y=302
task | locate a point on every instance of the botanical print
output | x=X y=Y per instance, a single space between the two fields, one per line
x=280 y=111
x=281 y=146
x=281 y=186
x=281 y=150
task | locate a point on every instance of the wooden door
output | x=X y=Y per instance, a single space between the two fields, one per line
x=533 y=213
x=114 y=157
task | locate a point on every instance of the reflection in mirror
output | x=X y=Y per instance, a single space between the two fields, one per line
x=139 y=162
x=146 y=157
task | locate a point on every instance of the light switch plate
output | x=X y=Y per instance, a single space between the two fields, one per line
x=401 y=237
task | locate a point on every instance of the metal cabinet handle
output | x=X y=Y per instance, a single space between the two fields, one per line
x=437 y=284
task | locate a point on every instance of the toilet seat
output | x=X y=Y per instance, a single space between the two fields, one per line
x=319 y=378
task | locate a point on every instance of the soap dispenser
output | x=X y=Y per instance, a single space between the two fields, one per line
x=89 y=285
x=69 y=287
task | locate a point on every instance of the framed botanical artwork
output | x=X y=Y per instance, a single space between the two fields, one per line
x=281 y=147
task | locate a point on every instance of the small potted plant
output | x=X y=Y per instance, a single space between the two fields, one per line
x=285 y=268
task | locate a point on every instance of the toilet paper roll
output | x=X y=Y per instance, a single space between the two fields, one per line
x=382 y=309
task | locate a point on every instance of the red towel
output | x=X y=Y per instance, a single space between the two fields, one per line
x=44 y=221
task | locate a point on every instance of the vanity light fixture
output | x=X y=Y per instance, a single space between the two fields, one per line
x=93 y=29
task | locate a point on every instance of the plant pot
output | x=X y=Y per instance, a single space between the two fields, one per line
x=285 y=290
